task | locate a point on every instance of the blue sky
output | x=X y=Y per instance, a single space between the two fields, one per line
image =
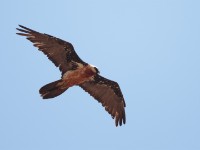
x=150 y=47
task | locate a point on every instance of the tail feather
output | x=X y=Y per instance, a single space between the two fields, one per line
x=53 y=89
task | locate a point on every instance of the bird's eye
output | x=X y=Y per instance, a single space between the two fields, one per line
x=96 y=70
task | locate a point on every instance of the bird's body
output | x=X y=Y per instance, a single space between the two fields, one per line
x=70 y=78
x=80 y=75
x=76 y=72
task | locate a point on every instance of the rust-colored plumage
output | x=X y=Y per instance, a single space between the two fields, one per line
x=76 y=72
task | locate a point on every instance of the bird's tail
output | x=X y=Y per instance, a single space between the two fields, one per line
x=53 y=89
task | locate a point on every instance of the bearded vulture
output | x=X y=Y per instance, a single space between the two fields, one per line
x=76 y=72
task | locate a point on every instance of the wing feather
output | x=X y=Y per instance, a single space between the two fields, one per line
x=60 y=52
x=108 y=93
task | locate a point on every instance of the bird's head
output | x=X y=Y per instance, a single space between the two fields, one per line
x=95 y=69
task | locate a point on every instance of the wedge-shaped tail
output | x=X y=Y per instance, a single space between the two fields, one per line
x=53 y=89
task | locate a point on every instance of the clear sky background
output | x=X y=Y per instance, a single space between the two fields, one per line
x=150 y=47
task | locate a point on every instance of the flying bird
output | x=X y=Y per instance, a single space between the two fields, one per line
x=76 y=72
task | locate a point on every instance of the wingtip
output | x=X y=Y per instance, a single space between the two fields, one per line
x=20 y=25
x=22 y=34
x=18 y=29
x=120 y=121
x=124 y=120
x=23 y=27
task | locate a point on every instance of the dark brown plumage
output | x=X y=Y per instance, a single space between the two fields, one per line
x=76 y=72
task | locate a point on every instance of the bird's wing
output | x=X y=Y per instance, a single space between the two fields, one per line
x=109 y=94
x=60 y=52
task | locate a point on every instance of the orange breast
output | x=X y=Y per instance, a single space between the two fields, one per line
x=78 y=76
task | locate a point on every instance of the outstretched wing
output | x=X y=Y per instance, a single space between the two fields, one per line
x=60 y=52
x=109 y=94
